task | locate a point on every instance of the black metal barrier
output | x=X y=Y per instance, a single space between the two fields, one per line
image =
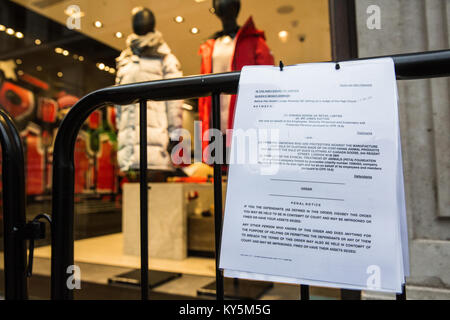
x=14 y=202
x=408 y=66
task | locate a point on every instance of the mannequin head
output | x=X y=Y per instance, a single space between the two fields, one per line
x=143 y=21
x=227 y=11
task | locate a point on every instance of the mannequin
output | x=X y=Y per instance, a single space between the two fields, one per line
x=230 y=49
x=146 y=58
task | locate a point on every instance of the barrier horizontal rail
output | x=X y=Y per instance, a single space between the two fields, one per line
x=408 y=66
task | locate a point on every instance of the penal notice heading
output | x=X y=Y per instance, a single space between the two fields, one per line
x=315 y=187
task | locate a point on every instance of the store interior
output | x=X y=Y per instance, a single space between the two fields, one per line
x=47 y=67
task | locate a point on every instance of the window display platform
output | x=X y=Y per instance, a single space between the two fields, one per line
x=108 y=250
x=101 y=259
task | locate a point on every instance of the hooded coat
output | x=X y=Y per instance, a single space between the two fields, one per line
x=250 y=49
x=147 y=58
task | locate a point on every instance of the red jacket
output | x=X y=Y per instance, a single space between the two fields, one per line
x=250 y=49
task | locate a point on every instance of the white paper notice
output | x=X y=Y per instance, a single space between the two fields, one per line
x=315 y=188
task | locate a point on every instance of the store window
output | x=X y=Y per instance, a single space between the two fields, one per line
x=54 y=52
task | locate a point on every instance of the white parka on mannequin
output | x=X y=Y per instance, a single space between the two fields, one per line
x=147 y=58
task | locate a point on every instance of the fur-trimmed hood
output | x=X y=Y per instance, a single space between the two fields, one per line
x=150 y=45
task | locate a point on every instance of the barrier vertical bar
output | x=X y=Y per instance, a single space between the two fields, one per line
x=304 y=292
x=143 y=197
x=14 y=203
x=401 y=296
x=350 y=294
x=217 y=196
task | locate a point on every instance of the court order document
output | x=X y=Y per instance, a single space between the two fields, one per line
x=315 y=187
